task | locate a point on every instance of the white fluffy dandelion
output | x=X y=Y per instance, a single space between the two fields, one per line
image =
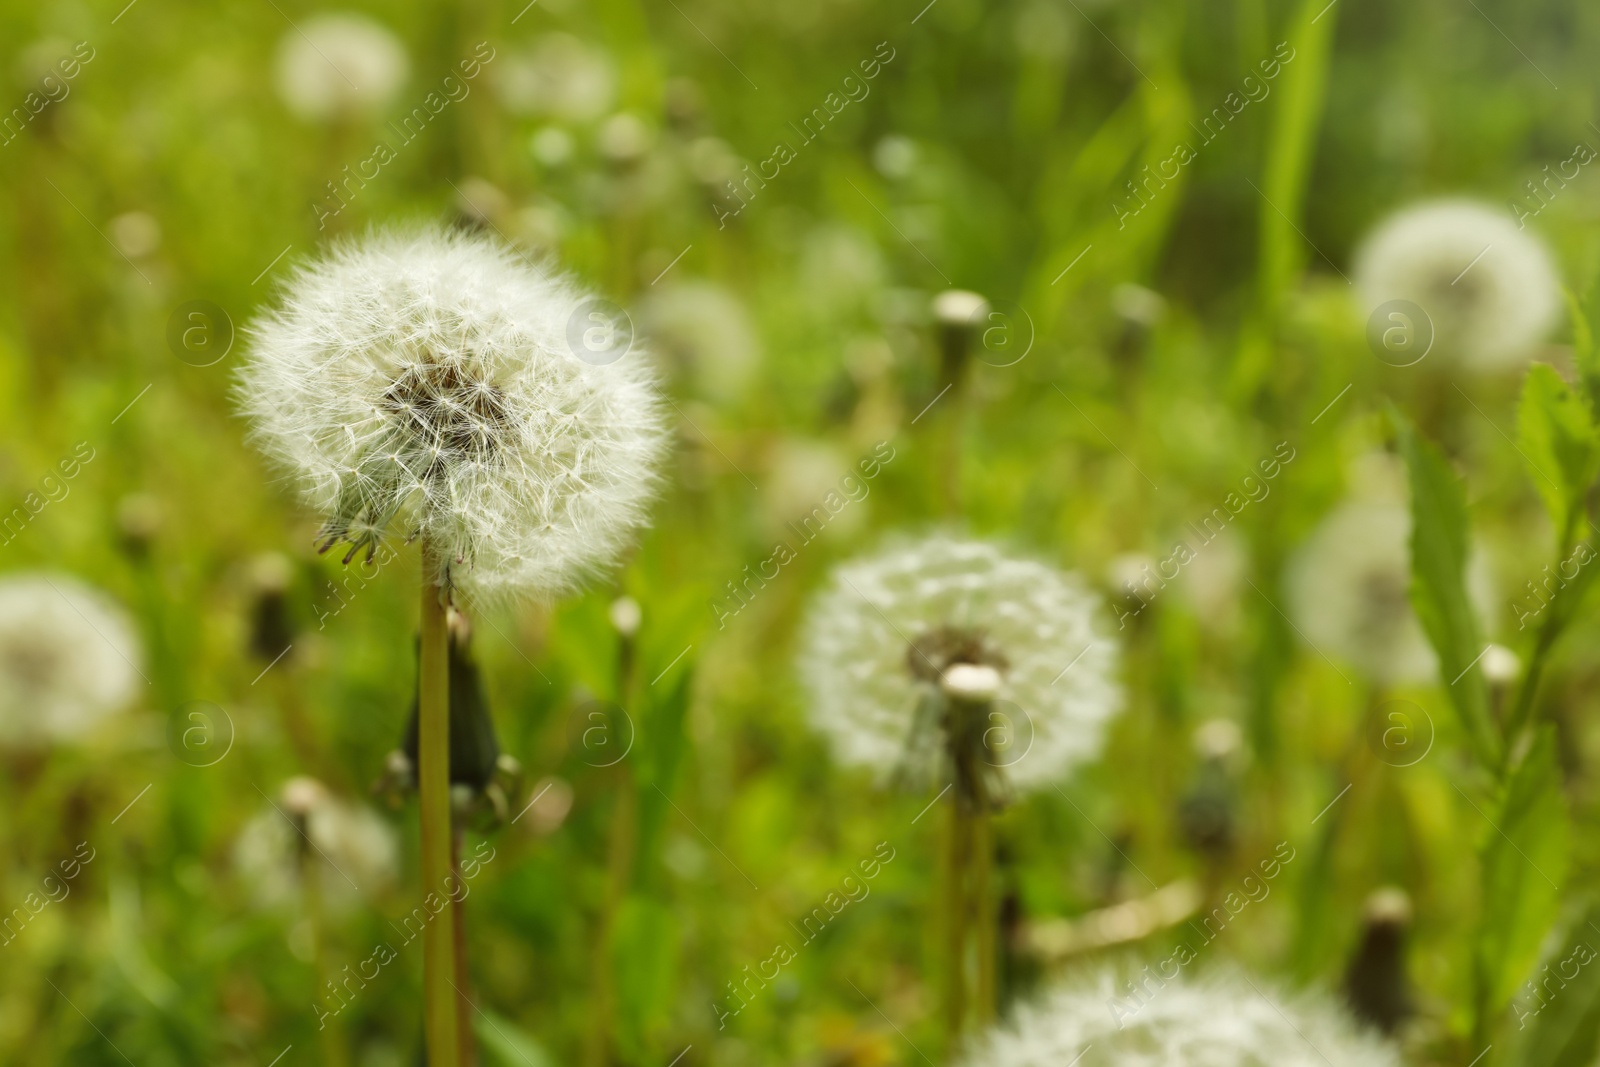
x=1224 y=1020
x=339 y=64
x=560 y=77
x=309 y=832
x=69 y=658
x=703 y=329
x=889 y=628
x=1489 y=288
x=1349 y=594
x=433 y=382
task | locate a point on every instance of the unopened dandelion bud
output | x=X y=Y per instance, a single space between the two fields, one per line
x=959 y=316
x=972 y=683
x=625 y=615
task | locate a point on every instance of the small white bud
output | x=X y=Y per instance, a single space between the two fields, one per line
x=1217 y=738
x=271 y=572
x=625 y=615
x=1138 y=305
x=1501 y=665
x=1389 y=906
x=301 y=796
x=972 y=682
x=959 y=307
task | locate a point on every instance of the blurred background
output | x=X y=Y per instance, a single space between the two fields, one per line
x=774 y=195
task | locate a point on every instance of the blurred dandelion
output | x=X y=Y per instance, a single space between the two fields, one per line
x=1224 y=1020
x=1349 y=587
x=1488 y=287
x=705 y=332
x=338 y=65
x=560 y=77
x=310 y=833
x=69 y=659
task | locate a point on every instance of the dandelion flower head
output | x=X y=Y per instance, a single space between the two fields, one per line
x=339 y=64
x=1489 y=288
x=435 y=383
x=889 y=628
x=1223 y=1020
x=69 y=658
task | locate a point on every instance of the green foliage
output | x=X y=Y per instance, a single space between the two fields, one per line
x=1559 y=1025
x=1524 y=863
x=507 y=1044
x=1439 y=548
x=1558 y=436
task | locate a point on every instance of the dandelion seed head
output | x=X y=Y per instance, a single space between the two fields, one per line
x=1221 y=1020
x=1489 y=288
x=560 y=77
x=310 y=831
x=69 y=659
x=1349 y=591
x=890 y=628
x=704 y=333
x=340 y=64
x=424 y=383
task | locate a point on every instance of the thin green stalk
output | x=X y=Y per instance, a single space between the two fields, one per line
x=624 y=820
x=463 y=979
x=955 y=931
x=986 y=918
x=433 y=791
x=1519 y=717
x=335 y=1053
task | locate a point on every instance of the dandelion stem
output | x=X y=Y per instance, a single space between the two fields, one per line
x=624 y=820
x=335 y=1053
x=955 y=906
x=983 y=904
x=433 y=789
x=463 y=974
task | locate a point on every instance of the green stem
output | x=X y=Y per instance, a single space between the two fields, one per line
x=335 y=1053
x=624 y=819
x=955 y=931
x=458 y=946
x=433 y=790
x=1521 y=714
x=983 y=904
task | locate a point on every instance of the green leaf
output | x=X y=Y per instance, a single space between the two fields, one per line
x=1438 y=586
x=645 y=961
x=1585 y=312
x=660 y=750
x=507 y=1044
x=1523 y=865
x=1559 y=441
x=1557 y=1011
